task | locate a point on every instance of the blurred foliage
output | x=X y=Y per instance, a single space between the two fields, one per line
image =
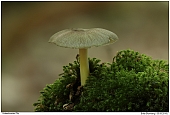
x=132 y=82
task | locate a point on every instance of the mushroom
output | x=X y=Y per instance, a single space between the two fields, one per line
x=82 y=39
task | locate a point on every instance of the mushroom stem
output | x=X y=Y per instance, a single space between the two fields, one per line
x=84 y=65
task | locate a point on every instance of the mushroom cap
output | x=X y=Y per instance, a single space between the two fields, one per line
x=83 y=38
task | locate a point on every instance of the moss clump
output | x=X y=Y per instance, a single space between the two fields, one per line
x=132 y=82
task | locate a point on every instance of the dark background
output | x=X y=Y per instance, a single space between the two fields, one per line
x=29 y=62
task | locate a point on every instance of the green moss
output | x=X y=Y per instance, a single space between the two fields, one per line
x=132 y=82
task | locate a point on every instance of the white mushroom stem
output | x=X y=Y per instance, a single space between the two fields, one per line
x=84 y=65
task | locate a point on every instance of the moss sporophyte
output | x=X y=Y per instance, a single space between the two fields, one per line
x=131 y=82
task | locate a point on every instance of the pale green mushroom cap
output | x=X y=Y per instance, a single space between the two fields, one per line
x=83 y=38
